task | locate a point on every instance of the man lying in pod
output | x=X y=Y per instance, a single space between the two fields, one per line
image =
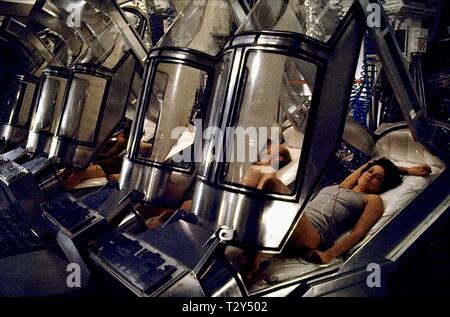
x=106 y=165
x=262 y=174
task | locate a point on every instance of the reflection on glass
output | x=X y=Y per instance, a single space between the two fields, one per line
x=203 y=25
x=49 y=104
x=212 y=116
x=315 y=18
x=27 y=106
x=19 y=104
x=106 y=46
x=264 y=150
x=81 y=113
x=168 y=132
x=13 y=102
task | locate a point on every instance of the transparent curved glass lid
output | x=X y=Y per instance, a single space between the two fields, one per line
x=263 y=149
x=19 y=104
x=88 y=34
x=105 y=47
x=82 y=111
x=203 y=25
x=218 y=95
x=168 y=131
x=315 y=18
x=50 y=101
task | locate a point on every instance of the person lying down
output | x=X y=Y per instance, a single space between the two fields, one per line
x=107 y=164
x=260 y=175
x=354 y=205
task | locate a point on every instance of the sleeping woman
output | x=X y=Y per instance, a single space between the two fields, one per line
x=355 y=205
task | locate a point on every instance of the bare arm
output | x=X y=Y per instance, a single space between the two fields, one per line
x=156 y=221
x=351 y=180
x=371 y=213
x=252 y=177
x=418 y=170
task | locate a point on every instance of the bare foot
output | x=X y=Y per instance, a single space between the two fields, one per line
x=154 y=222
x=113 y=177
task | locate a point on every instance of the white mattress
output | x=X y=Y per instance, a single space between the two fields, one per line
x=396 y=199
x=403 y=151
x=400 y=147
x=93 y=182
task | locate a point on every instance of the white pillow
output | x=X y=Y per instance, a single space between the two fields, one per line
x=396 y=199
x=288 y=173
x=92 y=182
x=400 y=146
x=293 y=139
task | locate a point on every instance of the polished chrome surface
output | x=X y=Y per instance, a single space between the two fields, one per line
x=160 y=187
x=357 y=136
x=88 y=35
x=174 y=81
x=257 y=223
x=13 y=155
x=238 y=9
x=219 y=280
x=188 y=285
x=18 y=109
x=48 y=109
x=118 y=17
x=94 y=105
x=317 y=19
x=263 y=219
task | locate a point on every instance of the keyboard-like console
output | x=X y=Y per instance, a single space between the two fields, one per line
x=70 y=215
x=16 y=233
x=138 y=265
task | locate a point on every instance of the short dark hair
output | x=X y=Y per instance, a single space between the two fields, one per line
x=284 y=153
x=392 y=175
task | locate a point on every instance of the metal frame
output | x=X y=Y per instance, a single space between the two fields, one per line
x=39 y=140
x=155 y=179
x=131 y=36
x=433 y=135
x=96 y=72
x=13 y=133
x=78 y=154
x=248 y=213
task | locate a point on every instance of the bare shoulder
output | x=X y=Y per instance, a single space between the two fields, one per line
x=254 y=168
x=373 y=199
x=346 y=186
